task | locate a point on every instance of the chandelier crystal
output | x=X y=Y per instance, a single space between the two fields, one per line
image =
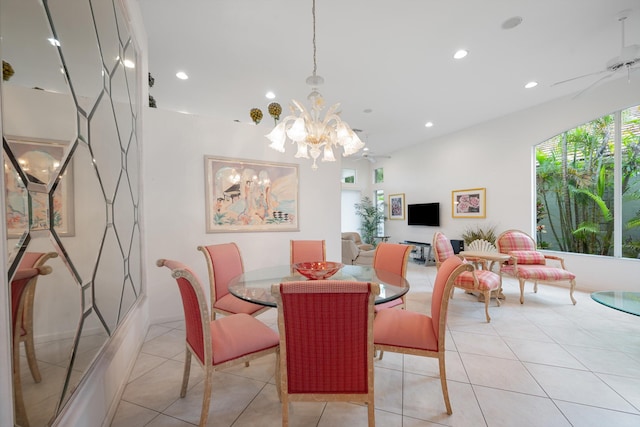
x=313 y=134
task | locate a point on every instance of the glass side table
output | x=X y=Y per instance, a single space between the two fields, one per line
x=628 y=302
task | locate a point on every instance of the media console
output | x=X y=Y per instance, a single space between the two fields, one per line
x=418 y=252
x=419 y=255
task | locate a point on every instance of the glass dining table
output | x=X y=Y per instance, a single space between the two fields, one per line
x=255 y=286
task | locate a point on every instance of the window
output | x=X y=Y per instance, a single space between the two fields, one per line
x=348 y=176
x=378 y=175
x=378 y=197
x=582 y=176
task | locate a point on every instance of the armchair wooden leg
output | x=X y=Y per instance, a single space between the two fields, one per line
x=487 y=298
x=571 y=289
x=521 y=291
x=31 y=358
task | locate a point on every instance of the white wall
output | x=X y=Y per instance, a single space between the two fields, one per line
x=175 y=145
x=497 y=155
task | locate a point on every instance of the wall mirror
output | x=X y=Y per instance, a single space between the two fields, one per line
x=70 y=108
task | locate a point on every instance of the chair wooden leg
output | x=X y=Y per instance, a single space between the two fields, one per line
x=20 y=409
x=371 y=413
x=277 y=378
x=185 y=374
x=206 y=396
x=535 y=287
x=487 y=298
x=443 y=382
x=571 y=289
x=521 y=291
x=30 y=349
x=285 y=411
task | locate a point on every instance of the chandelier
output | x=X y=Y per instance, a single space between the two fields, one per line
x=312 y=134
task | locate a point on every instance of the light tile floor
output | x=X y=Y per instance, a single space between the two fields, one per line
x=544 y=363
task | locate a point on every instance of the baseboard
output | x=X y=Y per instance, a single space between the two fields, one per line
x=96 y=399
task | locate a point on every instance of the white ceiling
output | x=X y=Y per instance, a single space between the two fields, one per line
x=394 y=58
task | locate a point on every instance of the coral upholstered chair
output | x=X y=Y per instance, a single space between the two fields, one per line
x=308 y=251
x=216 y=344
x=325 y=358
x=392 y=257
x=527 y=263
x=224 y=262
x=22 y=285
x=483 y=281
x=408 y=332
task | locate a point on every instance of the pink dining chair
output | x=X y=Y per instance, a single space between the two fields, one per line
x=216 y=344
x=393 y=258
x=325 y=358
x=484 y=281
x=408 y=332
x=224 y=262
x=307 y=251
x=527 y=263
x=22 y=283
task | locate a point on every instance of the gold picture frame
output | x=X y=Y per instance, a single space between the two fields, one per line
x=469 y=203
x=250 y=195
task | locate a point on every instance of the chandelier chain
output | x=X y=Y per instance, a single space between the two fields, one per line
x=313 y=14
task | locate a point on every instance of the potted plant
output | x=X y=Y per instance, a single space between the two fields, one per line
x=471 y=234
x=371 y=216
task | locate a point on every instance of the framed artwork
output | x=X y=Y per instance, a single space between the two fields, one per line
x=396 y=206
x=250 y=195
x=471 y=203
x=40 y=162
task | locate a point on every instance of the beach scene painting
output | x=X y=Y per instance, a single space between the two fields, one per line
x=250 y=195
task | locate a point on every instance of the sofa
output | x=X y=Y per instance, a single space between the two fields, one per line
x=355 y=236
x=353 y=255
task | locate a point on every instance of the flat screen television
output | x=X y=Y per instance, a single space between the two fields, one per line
x=424 y=214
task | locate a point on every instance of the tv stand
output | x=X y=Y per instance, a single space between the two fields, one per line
x=421 y=252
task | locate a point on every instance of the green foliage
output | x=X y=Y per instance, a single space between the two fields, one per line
x=371 y=216
x=476 y=233
x=575 y=185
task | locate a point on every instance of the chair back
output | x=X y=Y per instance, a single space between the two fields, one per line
x=392 y=257
x=196 y=311
x=481 y=245
x=326 y=336
x=307 y=251
x=451 y=268
x=20 y=284
x=224 y=262
x=442 y=248
x=514 y=240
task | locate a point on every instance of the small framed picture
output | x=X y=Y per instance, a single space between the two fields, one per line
x=471 y=203
x=396 y=206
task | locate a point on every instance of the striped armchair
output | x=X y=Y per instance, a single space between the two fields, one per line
x=528 y=264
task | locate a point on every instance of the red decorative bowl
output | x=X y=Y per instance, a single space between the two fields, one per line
x=318 y=270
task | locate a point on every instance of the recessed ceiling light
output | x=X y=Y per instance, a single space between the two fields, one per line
x=270 y=95
x=428 y=124
x=53 y=41
x=182 y=75
x=512 y=22
x=530 y=85
x=460 y=54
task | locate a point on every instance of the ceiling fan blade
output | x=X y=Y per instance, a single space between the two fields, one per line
x=578 y=77
x=592 y=85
